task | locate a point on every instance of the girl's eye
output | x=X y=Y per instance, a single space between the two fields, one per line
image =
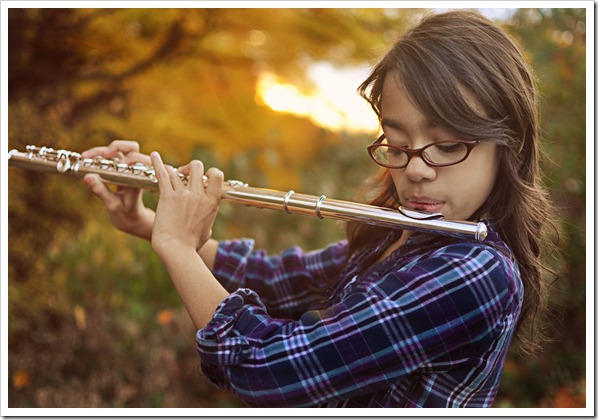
x=446 y=153
x=450 y=147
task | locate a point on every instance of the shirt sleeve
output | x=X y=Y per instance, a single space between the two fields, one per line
x=439 y=312
x=287 y=283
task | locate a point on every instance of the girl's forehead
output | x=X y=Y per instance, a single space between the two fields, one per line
x=393 y=87
x=395 y=93
x=397 y=102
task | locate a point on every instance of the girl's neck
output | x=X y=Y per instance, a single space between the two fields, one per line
x=395 y=245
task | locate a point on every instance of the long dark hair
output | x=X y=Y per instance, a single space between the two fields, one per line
x=439 y=60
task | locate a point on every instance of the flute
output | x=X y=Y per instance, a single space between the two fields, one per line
x=112 y=171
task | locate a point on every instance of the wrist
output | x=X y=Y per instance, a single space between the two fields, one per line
x=168 y=247
x=142 y=225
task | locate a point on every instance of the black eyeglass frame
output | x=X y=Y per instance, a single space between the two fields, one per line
x=470 y=144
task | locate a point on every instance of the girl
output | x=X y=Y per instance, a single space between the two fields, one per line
x=386 y=318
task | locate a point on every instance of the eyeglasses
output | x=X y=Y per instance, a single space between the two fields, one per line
x=444 y=153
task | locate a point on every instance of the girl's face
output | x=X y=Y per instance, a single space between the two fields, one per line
x=455 y=191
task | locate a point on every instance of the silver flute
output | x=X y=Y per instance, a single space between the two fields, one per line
x=112 y=171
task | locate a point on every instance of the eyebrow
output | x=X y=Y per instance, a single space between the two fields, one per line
x=389 y=122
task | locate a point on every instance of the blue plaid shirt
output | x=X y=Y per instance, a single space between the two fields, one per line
x=425 y=328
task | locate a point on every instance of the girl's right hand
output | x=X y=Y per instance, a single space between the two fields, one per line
x=124 y=206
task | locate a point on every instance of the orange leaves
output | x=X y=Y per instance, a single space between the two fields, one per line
x=567 y=398
x=21 y=379
x=164 y=317
x=80 y=318
x=569 y=395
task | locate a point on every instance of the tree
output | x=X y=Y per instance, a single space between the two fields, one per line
x=181 y=81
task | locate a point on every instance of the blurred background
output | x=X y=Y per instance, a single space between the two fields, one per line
x=268 y=96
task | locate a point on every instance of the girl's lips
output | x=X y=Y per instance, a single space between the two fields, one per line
x=424 y=204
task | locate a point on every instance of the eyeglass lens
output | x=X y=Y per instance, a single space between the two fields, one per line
x=437 y=154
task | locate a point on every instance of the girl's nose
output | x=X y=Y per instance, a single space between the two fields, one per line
x=417 y=170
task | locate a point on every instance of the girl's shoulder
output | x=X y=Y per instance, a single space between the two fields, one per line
x=421 y=248
x=490 y=260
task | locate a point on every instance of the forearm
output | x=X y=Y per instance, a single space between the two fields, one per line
x=208 y=253
x=199 y=290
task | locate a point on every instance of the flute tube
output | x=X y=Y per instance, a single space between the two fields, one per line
x=353 y=212
x=112 y=172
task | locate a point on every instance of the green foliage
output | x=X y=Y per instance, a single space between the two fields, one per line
x=554 y=40
x=93 y=318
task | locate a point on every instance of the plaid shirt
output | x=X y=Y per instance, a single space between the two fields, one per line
x=426 y=328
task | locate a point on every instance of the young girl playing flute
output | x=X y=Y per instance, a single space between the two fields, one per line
x=385 y=318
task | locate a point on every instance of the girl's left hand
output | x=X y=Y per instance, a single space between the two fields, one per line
x=185 y=213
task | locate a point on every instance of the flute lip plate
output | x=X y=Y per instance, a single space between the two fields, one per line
x=420 y=215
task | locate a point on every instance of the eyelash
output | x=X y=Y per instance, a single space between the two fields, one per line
x=405 y=144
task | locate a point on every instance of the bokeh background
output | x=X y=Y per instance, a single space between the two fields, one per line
x=93 y=318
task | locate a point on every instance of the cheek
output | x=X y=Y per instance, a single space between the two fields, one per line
x=397 y=178
x=481 y=180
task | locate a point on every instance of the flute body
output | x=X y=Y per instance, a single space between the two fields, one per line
x=111 y=171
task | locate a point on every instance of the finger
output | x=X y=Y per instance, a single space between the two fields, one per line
x=100 y=189
x=175 y=180
x=185 y=169
x=136 y=157
x=114 y=149
x=195 y=182
x=128 y=195
x=214 y=183
x=125 y=146
x=162 y=175
x=94 y=151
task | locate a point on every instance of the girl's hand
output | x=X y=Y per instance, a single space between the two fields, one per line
x=124 y=206
x=185 y=213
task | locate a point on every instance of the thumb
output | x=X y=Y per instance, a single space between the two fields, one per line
x=100 y=189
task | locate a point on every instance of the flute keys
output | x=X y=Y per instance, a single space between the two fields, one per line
x=232 y=182
x=65 y=160
x=138 y=169
x=106 y=164
x=75 y=161
x=151 y=174
x=122 y=167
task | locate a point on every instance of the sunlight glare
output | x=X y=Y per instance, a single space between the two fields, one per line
x=282 y=97
x=336 y=104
